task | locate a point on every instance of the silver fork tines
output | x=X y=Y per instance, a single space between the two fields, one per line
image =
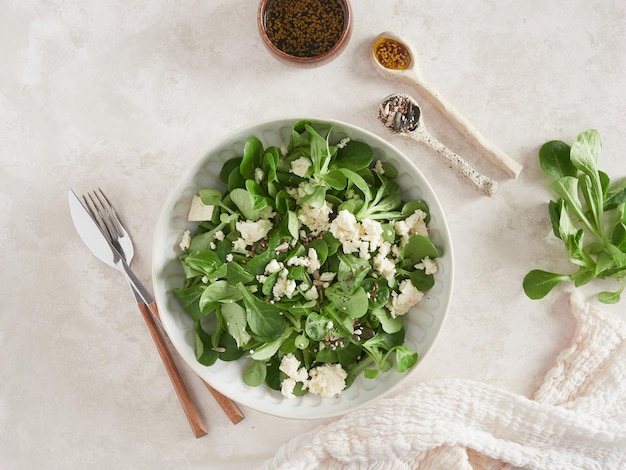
x=110 y=222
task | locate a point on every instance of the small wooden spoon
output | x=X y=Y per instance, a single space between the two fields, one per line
x=395 y=59
x=402 y=115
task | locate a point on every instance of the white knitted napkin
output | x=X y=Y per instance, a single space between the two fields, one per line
x=577 y=419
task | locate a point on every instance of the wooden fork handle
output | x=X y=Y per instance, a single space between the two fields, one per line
x=189 y=407
x=228 y=406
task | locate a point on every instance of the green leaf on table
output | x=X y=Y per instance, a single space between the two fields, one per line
x=554 y=158
x=585 y=152
x=537 y=283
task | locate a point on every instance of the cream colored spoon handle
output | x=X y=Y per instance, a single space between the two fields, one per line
x=464 y=170
x=493 y=153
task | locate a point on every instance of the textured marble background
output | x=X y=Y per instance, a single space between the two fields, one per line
x=125 y=95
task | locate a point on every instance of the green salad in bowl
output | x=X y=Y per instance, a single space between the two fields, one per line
x=311 y=269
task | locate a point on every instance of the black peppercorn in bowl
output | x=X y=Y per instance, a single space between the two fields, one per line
x=305 y=32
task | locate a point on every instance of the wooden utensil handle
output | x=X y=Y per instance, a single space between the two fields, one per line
x=230 y=408
x=471 y=133
x=189 y=407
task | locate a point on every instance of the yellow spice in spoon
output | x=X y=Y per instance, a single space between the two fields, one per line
x=392 y=54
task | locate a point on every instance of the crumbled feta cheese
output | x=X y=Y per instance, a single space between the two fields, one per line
x=298 y=261
x=315 y=218
x=253 y=231
x=314 y=261
x=343 y=142
x=311 y=261
x=408 y=297
x=327 y=277
x=284 y=287
x=384 y=266
x=300 y=166
x=239 y=245
x=428 y=265
x=273 y=267
x=229 y=257
x=289 y=364
x=199 y=211
x=287 y=386
x=346 y=229
x=378 y=167
x=185 y=242
x=384 y=249
x=416 y=223
x=298 y=192
x=372 y=231
x=327 y=380
x=311 y=293
x=212 y=245
x=219 y=235
x=401 y=228
x=259 y=174
x=345 y=226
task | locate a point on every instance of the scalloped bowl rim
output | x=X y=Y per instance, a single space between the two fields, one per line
x=424 y=322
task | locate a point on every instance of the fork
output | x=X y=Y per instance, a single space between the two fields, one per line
x=113 y=227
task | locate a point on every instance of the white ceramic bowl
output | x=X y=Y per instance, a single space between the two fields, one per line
x=423 y=322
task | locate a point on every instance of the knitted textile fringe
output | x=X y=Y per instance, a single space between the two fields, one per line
x=577 y=419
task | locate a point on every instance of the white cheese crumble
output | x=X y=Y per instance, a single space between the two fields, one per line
x=310 y=292
x=327 y=380
x=284 y=287
x=409 y=296
x=290 y=365
x=315 y=218
x=185 y=242
x=372 y=231
x=311 y=261
x=343 y=142
x=199 y=211
x=259 y=174
x=345 y=226
x=287 y=386
x=253 y=231
x=416 y=224
x=378 y=167
x=385 y=267
x=300 y=166
x=428 y=265
x=273 y=267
